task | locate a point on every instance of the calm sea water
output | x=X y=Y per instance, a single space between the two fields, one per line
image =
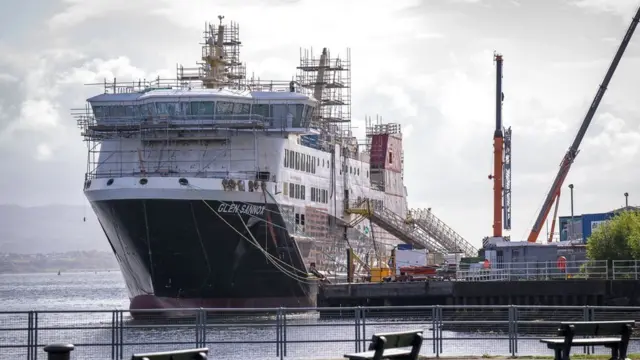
x=50 y=291
x=308 y=336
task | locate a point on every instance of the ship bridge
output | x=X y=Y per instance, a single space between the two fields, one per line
x=421 y=228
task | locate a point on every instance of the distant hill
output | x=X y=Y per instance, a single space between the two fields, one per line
x=52 y=262
x=49 y=229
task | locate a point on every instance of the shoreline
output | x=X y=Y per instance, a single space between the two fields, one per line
x=55 y=271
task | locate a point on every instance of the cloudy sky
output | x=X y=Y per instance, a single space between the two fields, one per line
x=426 y=64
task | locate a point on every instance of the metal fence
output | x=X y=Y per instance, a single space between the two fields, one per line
x=317 y=333
x=534 y=270
x=549 y=270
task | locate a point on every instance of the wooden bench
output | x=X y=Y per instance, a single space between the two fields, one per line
x=190 y=354
x=610 y=334
x=395 y=345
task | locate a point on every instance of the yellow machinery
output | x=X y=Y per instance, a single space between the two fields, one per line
x=374 y=274
x=378 y=274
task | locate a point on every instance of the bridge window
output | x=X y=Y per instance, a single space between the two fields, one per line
x=99 y=111
x=161 y=108
x=128 y=110
x=241 y=109
x=297 y=111
x=118 y=111
x=173 y=109
x=202 y=108
x=309 y=114
x=144 y=110
x=279 y=113
x=261 y=110
x=224 y=107
x=183 y=108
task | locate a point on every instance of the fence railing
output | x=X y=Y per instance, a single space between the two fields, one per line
x=542 y=270
x=314 y=333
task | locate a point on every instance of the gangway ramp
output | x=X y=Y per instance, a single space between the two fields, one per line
x=443 y=234
x=397 y=226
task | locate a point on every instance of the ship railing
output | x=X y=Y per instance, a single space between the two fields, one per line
x=105 y=125
x=206 y=174
x=535 y=270
x=194 y=81
x=184 y=120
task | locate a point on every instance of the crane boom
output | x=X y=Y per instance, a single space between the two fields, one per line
x=571 y=154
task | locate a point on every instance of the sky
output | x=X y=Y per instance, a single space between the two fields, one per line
x=426 y=64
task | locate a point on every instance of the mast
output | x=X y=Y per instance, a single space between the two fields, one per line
x=498 y=146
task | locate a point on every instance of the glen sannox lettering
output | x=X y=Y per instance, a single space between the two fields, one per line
x=241 y=208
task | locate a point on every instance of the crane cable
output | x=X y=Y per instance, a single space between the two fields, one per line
x=253 y=242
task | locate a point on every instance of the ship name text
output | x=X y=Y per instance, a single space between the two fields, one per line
x=241 y=208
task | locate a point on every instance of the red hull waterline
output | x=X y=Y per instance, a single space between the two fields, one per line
x=148 y=303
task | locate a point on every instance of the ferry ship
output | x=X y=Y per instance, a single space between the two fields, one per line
x=219 y=191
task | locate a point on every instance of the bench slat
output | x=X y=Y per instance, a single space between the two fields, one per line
x=595 y=328
x=397 y=339
x=388 y=353
x=190 y=354
x=578 y=342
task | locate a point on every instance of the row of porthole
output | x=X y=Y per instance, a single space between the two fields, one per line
x=143 y=181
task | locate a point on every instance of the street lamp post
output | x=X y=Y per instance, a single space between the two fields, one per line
x=571 y=188
x=626 y=200
x=570 y=232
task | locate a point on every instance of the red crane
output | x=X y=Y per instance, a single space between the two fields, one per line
x=572 y=153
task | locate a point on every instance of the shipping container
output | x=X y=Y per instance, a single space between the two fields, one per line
x=591 y=222
x=570 y=230
x=585 y=224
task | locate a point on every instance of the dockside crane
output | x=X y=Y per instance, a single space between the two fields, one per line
x=501 y=161
x=572 y=153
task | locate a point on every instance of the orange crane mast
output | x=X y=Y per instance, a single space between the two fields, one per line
x=501 y=162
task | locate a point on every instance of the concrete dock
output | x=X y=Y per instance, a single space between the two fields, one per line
x=549 y=292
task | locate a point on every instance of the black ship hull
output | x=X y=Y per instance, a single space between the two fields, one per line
x=191 y=253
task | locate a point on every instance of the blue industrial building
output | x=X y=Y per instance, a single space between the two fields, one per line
x=583 y=225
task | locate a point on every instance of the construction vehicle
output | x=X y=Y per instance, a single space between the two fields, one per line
x=572 y=152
